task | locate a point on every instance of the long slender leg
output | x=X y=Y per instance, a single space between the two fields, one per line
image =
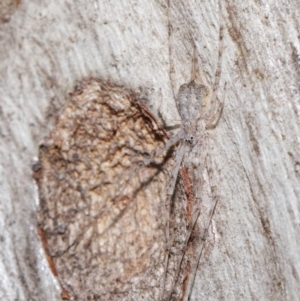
x=215 y=113
x=215 y=117
x=205 y=231
x=173 y=140
x=178 y=159
x=220 y=53
x=190 y=230
x=197 y=69
x=171 y=72
x=195 y=162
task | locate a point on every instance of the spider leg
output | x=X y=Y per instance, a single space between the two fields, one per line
x=197 y=70
x=215 y=200
x=178 y=159
x=216 y=111
x=173 y=140
x=214 y=119
x=195 y=161
x=190 y=230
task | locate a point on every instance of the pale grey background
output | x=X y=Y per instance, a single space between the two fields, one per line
x=47 y=46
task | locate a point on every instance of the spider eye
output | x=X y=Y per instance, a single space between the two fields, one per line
x=190 y=139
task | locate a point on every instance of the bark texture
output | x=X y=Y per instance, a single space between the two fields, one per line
x=47 y=47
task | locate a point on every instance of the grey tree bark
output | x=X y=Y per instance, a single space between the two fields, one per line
x=47 y=47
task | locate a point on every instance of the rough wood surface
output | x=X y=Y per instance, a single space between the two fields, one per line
x=47 y=47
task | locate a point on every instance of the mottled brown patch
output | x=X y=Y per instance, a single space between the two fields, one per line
x=102 y=211
x=7 y=8
x=188 y=188
x=65 y=295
